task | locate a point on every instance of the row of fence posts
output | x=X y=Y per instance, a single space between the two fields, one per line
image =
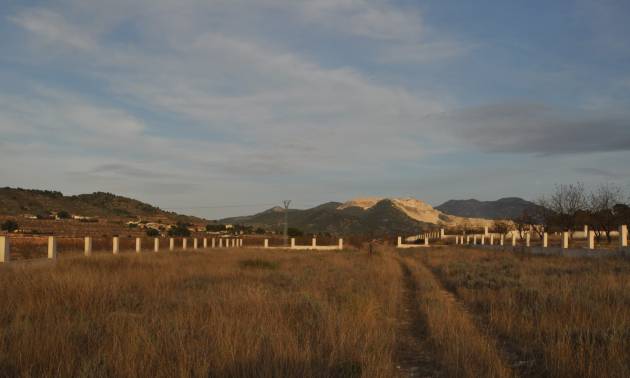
x=481 y=239
x=5 y=246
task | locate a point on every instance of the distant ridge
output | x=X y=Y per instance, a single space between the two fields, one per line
x=504 y=208
x=20 y=201
x=379 y=216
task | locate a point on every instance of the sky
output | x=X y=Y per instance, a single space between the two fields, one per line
x=227 y=107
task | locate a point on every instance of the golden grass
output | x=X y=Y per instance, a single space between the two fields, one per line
x=564 y=317
x=233 y=313
x=463 y=349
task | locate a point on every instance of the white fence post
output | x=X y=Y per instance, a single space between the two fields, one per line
x=214 y=243
x=565 y=240
x=485 y=231
x=623 y=236
x=5 y=250
x=545 y=240
x=491 y=239
x=426 y=242
x=502 y=240
x=171 y=244
x=195 y=243
x=138 y=245
x=115 y=245
x=87 y=249
x=266 y=243
x=292 y=242
x=474 y=239
x=585 y=232
x=220 y=242
x=442 y=233
x=483 y=239
x=591 y=240
x=52 y=247
x=528 y=239
x=314 y=242
x=513 y=239
x=156 y=245
x=341 y=244
x=184 y=243
x=205 y=243
x=399 y=241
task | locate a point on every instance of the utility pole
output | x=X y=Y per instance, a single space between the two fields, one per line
x=286 y=221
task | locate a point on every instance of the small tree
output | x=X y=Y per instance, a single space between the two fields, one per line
x=10 y=225
x=63 y=215
x=181 y=230
x=601 y=205
x=294 y=232
x=152 y=232
x=502 y=227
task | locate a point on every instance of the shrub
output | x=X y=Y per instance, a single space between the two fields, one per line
x=10 y=225
x=179 y=230
x=63 y=214
x=152 y=232
x=294 y=232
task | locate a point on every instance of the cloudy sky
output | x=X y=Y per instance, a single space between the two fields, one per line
x=225 y=107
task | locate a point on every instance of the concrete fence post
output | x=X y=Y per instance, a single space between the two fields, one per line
x=52 y=247
x=528 y=240
x=545 y=242
x=5 y=250
x=623 y=236
x=442 y=233
x=483 y=239
x=502 y=240
x=565 y=240
x=205 y=243
x=341 y=244
x=426 y=242
x=292 y=242
x=195 y=243
x=585 y=232
x=87 y=249
x=266 y=243
x=220 y=242
x=513 y=239
x=399 y=243
x=138 y=245
x=214 y=242
x=116 y=245
x=184 y=243
x=314 y=242
x=171 y=244
x=467 y=239
x=591 y=240
x=475 y=240
x=456 y=240
x=156 y=245
x=491 y=239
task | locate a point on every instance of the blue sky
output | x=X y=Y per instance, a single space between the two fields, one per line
x=201 y=105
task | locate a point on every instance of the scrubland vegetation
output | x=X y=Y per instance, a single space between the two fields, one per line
x=438 y=312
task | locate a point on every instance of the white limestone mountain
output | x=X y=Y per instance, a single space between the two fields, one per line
x=378 y=216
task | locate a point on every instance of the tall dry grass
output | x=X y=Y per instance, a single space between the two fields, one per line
x=223 y=314
x=564 y=317
x=464 y=350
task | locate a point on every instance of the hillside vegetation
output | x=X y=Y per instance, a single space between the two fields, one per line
x=19 y=201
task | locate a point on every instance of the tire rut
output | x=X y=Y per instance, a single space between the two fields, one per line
x=413 y=350
x=520 y=361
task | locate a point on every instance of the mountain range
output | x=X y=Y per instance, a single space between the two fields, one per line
x=379 y=216
x=504 y=208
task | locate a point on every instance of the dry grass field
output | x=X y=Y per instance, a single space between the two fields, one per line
x=254 y=313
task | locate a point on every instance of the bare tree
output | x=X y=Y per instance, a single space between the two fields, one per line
x=563 y=205
x=601 y=205
x=502 y=227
